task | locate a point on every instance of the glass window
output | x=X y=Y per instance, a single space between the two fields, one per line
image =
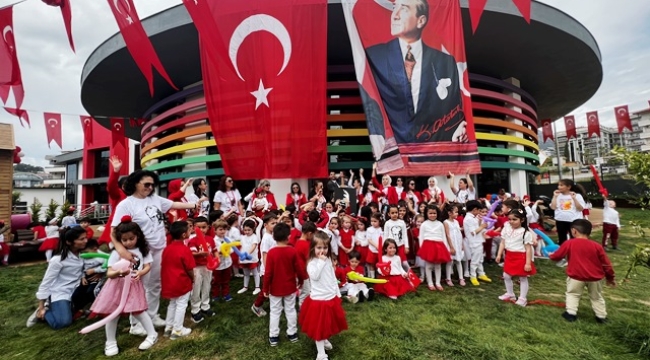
x=70 y=183
x=101 y=163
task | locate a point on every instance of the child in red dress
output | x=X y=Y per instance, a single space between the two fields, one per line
x=322 y=315
x=435 y=247
x=346 y=245
x=517 y=241
x=283 y=268
x=176 y=278
x=374 y=236
x=361 y=240
x=399 y=282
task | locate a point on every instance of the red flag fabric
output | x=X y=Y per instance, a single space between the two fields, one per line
x=10 y=76
x=570 y=125
x=66 y=12
x=547 y=130
x=87 y=124
x=268 y=82
x=415 y=99
x=117 y=132
x=21 y=114
x=593 y=124
x=524 y=8
x=137 y=41
x=53 y=129
x=623 y=118
x=476 y=8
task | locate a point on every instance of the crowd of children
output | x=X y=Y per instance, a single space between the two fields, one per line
x=303 y=254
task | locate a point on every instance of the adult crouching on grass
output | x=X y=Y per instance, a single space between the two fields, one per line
x=148 y=211
x=61 y=280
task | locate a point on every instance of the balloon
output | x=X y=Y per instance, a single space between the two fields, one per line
x=213 y=261
x=97 y=255
x=243 y=256
x=550 y=247
x=488 y=218
x=355 y=276
x=121 y=265
x=601 y=188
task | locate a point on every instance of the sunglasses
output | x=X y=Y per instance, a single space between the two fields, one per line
x=229 y=180
x=148 y=185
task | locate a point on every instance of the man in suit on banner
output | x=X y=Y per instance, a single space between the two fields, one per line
x=419 y=85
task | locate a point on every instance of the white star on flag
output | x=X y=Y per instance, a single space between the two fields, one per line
x=261 y=95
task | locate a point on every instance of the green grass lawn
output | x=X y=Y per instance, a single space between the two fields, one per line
x=459 y=323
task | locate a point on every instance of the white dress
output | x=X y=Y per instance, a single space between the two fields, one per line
x=456 y=239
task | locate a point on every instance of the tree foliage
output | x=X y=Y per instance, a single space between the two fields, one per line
x=27 y=168
x=50 y=213
x=35 y=210
x=638 y=164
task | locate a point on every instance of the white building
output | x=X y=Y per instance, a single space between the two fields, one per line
x=643 y=117
x=55 y=178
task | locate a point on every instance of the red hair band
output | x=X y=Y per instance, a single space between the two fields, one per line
x=126 y=219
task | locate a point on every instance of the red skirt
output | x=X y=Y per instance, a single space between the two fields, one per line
x=49 y=244
x=401 y=252
x=235 y=260
x=343 y=258
x=321 y=319
x=434 y=252
x=371 y=259
x=249 y=266
x=534 y=226
x=515 y=262
x=363 y=254
x=396 y=285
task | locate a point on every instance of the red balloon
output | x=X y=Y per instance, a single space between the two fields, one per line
x=17 y=155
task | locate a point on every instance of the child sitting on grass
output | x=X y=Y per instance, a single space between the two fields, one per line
x=588 y=265
x=356 y=290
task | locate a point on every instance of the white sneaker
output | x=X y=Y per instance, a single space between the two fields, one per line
x=256 y=291
x=148 y=342
x=243 y=290
x=32 y=319
x=561 y=263
x=239 y=275
x=328 y=345
x=168 y=331
x=111 y=348
x=158 y=322
x=180 y=333
x=137 y=330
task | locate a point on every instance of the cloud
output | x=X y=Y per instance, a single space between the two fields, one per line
x=51 y=71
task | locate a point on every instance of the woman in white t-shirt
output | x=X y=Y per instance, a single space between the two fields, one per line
x=147 y=210
x=228 y=197
x=568 y=203
x=199 y=196
x=465 y=191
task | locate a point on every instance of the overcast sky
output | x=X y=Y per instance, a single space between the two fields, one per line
x=51 y=72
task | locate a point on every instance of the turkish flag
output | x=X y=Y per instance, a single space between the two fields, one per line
x=266 y=90
x=53 y=129
x=593 y=125
x=10 y=77
x=66 y=12
x=87 y=124
x=476 y=8
x=524 y=8
x=623 y=118
x=547 y=130
x=137 y=41
x=21 y=114
x=570 y=124
x=117 y=132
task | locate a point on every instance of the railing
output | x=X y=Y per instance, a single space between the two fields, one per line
x=93 y=211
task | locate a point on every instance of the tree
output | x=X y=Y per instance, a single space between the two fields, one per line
x=639 y=166
x=27 y=168
x=64 y=210
x=50 y=213
x=35 y=209
x=15 y=197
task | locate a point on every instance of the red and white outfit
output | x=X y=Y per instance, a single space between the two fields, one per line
x=4 y=250
x=200 y=298
x=433 y=243
x=346 y=240
x=390 y=194
x=374 y=234
x=115 y=196
x=176 y=284
x=221 y=276
x=396 y=230
x=355 y=287
x=515 y=254
x=228 y=200
x=296 y=199
x=397 y=285
x=432 y=193
x=51 y=242
x=322 y=315
x=362 y=248
x=611 y=224
x=413 y=195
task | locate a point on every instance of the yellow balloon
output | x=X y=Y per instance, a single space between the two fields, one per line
x=227 y=247
x=355 y=276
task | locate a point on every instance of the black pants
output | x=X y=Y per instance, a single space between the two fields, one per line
x=82 y=296
x=563 y=230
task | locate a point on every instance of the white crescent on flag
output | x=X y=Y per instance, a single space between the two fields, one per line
x=52 y=122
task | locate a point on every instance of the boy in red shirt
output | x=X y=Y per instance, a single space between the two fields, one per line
x=85 y=224
x=283 y=267
x=588 y=265
x=176 y=277
x=357 y=290
x=201 y=250
x=302 y=247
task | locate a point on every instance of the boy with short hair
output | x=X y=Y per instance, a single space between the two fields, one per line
x=201 y=250
x=611 y=223
x=283 y=267
x=221 y=276
x=356 y=290
x=85 y=224
x=473 y=233
x=267 y=243
x=588 y=265
x=302 y=248
x=177 y=277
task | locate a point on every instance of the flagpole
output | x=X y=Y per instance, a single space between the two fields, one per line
x=557 y=153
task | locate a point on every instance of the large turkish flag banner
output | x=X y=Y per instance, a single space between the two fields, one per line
x=623 y=118
x=53 y=129
x=266 y=91
x=570 y=125
x=593 y=124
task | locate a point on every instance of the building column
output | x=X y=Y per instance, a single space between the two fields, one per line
x=518 y=179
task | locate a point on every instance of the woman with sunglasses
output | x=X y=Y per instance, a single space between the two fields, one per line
x=296 y=196
x=228 y=198
x=412 y=194
x=147 y=210
x=265 y=187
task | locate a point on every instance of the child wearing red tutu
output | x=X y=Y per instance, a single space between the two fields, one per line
x=321 y=315
x=395 y=228
x=373 y=235
x=435 y=248
x=108 y=300
x=361 y=240
x=517 y=241
x=51 y=242
x=399 y=282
